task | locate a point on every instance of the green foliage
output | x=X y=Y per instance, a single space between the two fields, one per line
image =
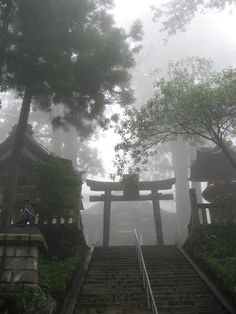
x=63 y=240
x=130 y=180
x=88 y=159
x=215 y=248
x=178 y=13
x=69 y=52
x=194 y=102
x=65 y=52
x=56 y=274
x=56 y=187
x=225 y=268
x=28 y=302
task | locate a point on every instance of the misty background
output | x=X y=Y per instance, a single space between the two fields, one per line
x=209 y=36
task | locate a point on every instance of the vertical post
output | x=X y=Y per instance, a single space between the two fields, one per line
x=204 y=215
x=106 y=217
x=194 y=209
x=157 y=217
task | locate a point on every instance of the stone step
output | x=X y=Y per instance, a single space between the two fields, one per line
x=112 y=310
x=114 y=301
x=102 y=298
x=190 y=309
x=177 y=288
x=112 y=280
x=113 y=284
x=173 y=290
x=114 y=304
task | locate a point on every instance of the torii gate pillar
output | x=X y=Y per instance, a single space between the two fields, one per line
x=106 y=217
x=131 y=193
x=157 y=217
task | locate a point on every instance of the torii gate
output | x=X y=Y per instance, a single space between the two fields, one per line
x=131 y=193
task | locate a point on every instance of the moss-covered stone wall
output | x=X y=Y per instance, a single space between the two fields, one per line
x=20 y=290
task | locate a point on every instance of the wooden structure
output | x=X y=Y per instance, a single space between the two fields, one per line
x=213 y=167
x=130 y=187
x=211 y=164
x=33 y=151
x=210 y=213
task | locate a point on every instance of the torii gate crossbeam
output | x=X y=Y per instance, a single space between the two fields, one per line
x=108 y=197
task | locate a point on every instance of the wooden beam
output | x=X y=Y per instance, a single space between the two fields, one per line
x=120 y=198
x=142 y=185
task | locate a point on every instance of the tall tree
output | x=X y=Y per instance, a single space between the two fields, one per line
x=178 y=13
x=193 y=102
x=61 y=51
x=180 y=160
x=84 y=157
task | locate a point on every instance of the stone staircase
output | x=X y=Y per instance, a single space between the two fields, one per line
x=113 y=284
x=177 y=287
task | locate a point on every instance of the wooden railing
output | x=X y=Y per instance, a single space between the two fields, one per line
x=52 y=220
x=55 y=221
x=211 y=213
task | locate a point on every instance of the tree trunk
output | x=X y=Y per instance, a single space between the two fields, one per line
x=10 y=190
x=70 y=149
x=195 y=185
x=56 y=143
x=180 y=159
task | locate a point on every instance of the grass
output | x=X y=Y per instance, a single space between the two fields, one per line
x=225 y=268
x=56 y=275
x=216 y=249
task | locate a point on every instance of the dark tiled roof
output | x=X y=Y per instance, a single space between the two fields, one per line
x=32 y=146
x=211 y=163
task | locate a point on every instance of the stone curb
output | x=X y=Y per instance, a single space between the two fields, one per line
x=76 y=286
x=219 y=295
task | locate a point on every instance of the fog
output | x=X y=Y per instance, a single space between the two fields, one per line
x=208 y=36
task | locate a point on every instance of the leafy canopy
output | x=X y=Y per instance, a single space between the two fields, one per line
x=178 y=13
x=194 y=102
x=56 y=187
x=66 y=51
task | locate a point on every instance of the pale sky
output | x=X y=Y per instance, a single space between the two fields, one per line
x=221 y=25
x=128 y=10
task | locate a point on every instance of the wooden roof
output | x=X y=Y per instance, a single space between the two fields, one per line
x=32 y=149
x=211 y=163
x=30 y=145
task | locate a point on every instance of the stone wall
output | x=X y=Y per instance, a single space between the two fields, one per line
x=19 y=265
x=19 y=272
x=19 y=258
